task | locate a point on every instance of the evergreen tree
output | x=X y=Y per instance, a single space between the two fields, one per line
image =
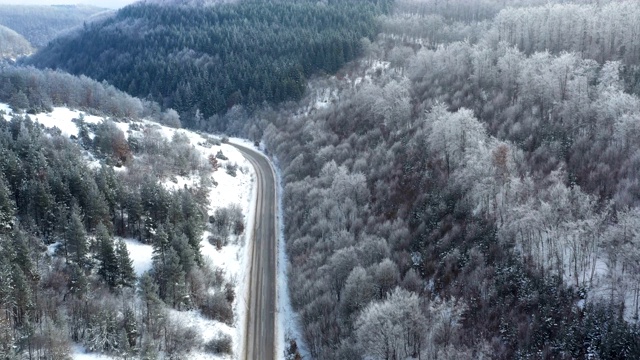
x=187 y=258
x=7 y=207
x=75 y=242
x=160 y=245
x=22 y=255
x=108 y=268
x=171 y=279
x=130 y=327
x=78 y=282
x=22 y=296
x=149 y=293
x=19 y=101
x=126 y=273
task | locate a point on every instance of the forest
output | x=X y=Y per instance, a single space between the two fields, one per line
x=467 y=189
x=67 y=203
x=40 y=24
x=202 y=60
x=462 y=184
x=12 y=44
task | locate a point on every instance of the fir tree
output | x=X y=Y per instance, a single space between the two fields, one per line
x=7 y=207
x=130 y=330
x=171 y=279
x=126 y=273
x=78 y=283
x=108 y=268
x=75 y=242
x=149 y=293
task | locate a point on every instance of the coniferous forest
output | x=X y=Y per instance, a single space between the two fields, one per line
x=209 y=59
x=460 y=178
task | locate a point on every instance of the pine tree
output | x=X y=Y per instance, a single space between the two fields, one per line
x=108 y=268
x=7 y=207
x=75 y=242
x=187 y=257
x=23 y=301
x=171 y=279
x=160 y=245
x=130 y=330
x=22 y=255
x=126 y=273
x=149 y=293
x=7 y=299
x=77 y=284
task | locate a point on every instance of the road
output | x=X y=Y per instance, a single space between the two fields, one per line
x=261 y=318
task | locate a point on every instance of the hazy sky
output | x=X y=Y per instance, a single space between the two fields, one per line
x=102 y=3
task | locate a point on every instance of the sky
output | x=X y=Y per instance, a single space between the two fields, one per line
x=113 y=4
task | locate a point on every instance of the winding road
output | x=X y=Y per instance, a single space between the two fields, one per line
x=259 y=341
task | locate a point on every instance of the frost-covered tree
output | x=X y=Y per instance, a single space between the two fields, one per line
x=393 y=328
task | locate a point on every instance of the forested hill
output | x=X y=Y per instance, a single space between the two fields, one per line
x=39 y=24
x=209 y=58
x=13 y=44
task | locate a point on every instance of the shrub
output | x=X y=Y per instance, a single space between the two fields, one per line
x=221 y=156
x=216 y=307
x=232 y=169
x=221 y=344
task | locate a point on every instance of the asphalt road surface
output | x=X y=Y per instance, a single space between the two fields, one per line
x=259 y=341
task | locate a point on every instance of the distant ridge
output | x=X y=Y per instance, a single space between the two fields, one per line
x=39 y=24
x=12 y=44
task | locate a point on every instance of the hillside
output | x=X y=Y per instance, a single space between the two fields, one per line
x=203 y=60
x=466 y=189
x=119 y=236
x=467 y=186
x=12 y=44
x=41 y=24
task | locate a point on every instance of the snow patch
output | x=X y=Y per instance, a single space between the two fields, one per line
x=6 y=108
x=239 y=189
x=78 y=352
x=62 y=117
x=51 y=249
x=140 y=254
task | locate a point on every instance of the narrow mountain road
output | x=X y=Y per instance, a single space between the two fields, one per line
x=261 y=318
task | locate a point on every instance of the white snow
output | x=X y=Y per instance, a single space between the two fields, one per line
x=240 y=190
x=287 y=321
x=80 y=353
x=51 y=249
x=208 y=329
x=179 y=182
x=61 y=118
x=140 y=254
x=6 y=108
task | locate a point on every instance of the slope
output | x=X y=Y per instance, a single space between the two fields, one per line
x=40 y=24
x=97 y=184
x=12 y=44
x=203 y=60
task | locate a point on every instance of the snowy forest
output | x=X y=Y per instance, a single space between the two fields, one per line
x=67 y=203
x=463 y=184
x=40 y=24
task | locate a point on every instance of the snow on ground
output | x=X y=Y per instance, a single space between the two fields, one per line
x=80 y=353
x=61 y=118
x=239 y=189
x=288 y=324
x=51 y=249
x=208 y=330
x=6 y=108
x=140 y=254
